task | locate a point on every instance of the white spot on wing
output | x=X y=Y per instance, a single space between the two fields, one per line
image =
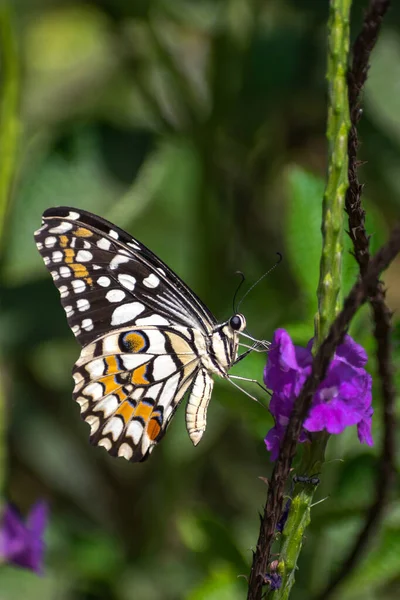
x=55 y=274
x=104 y=244
x=84 y=256
x=87 y=324
x=94 y=423
x=76 y=329
x=50 y=241
x=163 y=366
x=63 y=289
x=77 y=377
x=83 y=304
x=115 y=295
x=160 y=270
x=61 y=228
x=110 y=345
x=57 y=256
x=134 y=245
x=65 y=271
x=118 y=260
x=73 y=215
x=107 y=405
x=69 y=311
x=134 y=430
x=104 y=281
x=152 y=320
x=151 y=281
x=39 y=245
x=79 y=285
x=131 y=361
x=115 y=427
x=125 y=450
x=46 y=260
x=127 y=281
x=113 y=234
x=83 y=403
x=126 y=312
x=95 y=368
x=169 y=390
x=95 y=390
x=106 y=443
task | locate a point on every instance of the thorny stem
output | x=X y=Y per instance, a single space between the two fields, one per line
x=357 y=76
x=322 y=358
x=330 y=280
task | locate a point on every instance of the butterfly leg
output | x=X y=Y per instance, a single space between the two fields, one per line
x=229 y=378
x=250 y=381
x=256 y=347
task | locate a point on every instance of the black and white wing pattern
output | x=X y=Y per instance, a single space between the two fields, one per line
x=145 y=334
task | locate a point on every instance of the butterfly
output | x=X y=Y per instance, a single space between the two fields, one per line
x=146 y=337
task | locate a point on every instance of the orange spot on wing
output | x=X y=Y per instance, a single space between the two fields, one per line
x=112 y=365
x=153 y=429
x=79 y=270
x=63 y=241
x=143 y=410
x=69 y=255
x=138 y=375
x=126 y=410
x=110 y=384
x=121 y=394
x=82 y=232
x=135 y=342
x=89 y=281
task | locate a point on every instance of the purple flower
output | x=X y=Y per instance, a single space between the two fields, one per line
x=341 y=400
x=21 y=541
x=274 y=580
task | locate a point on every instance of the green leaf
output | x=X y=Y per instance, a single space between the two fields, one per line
x=222 y=584
x=381 y=566
x=302 y=229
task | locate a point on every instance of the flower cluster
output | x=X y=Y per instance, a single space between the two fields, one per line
x=21 y=542
x=341 y=400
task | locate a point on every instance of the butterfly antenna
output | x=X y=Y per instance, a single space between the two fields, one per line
x=280 y=258
x=237 y=289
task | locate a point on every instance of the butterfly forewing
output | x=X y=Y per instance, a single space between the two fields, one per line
x=107 y=279
x=143 y=332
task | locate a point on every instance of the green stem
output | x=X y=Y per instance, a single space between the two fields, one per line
x=9 y=135
x=9 y=110
x=330 y=280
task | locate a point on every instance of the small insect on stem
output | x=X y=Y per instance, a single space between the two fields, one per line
x=313 y=480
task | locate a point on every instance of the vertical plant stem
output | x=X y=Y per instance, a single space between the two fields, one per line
x=338 y=127
x=9 y=135
x=330 y=280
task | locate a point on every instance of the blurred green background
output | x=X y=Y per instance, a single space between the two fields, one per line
x=198 y=126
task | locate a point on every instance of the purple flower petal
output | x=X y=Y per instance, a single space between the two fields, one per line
x=342 y=400
x=364 y=430
x=352 y=352
x=21 y=542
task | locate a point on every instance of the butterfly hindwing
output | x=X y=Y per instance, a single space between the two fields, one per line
x=107 y=279
x=129 y=383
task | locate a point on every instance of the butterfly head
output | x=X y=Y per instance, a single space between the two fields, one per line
x=237 y=322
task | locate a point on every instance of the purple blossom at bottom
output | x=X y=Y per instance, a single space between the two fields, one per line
x=342 y=399
x=21 y=541
x=273 y=580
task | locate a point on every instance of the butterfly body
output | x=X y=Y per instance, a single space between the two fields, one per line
x=146 y=338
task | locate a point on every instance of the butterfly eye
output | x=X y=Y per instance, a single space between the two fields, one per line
x=237 y=322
